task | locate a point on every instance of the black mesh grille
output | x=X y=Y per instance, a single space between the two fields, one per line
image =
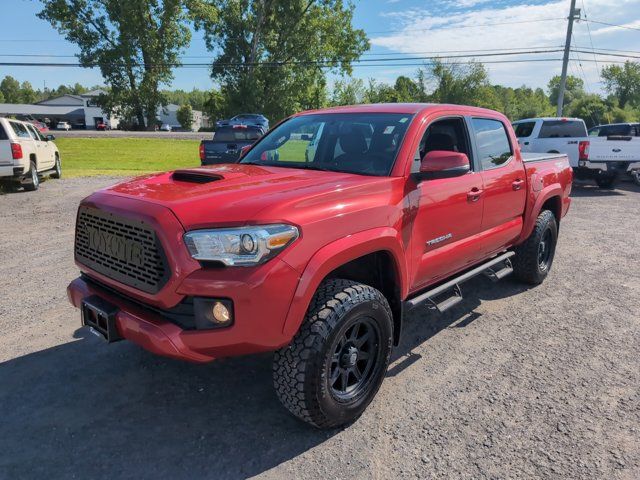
x=125 y=250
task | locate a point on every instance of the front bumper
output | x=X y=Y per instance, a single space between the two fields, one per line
x=261 y=298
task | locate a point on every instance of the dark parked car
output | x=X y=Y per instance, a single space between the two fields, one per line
x=227 y=143
x=245 y=119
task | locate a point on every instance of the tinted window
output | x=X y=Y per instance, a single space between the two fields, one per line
x=228 y=134
x=361 y=143
x=35 y=133
x=492 y=141
x=3 y=134
x=20 y=130
x=524 y=129
x=618 y=130
x=562 y=129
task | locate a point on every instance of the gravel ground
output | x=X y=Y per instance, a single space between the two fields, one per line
x=513 y=383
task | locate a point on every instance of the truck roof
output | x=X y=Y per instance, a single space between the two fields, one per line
x=544 y=119
x=408 y=108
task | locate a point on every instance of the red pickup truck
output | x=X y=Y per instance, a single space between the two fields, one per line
x=316 y=244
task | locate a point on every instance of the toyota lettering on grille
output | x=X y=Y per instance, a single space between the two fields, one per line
x=115 y=246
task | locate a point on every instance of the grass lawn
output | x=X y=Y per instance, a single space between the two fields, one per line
x=82 y=157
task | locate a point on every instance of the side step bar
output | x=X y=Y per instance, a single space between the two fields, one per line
x=453 y=288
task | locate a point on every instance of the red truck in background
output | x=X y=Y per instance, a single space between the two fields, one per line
x=316 y=244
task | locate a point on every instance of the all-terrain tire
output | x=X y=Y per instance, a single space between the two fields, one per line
x=304 y=371
x=534 y=257
x=34 y=181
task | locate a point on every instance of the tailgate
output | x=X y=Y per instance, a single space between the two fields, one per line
x=604 y=150
x=6 y=158
x=222 y=152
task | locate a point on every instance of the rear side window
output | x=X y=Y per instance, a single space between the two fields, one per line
x=524 y=129
x=237 y=134
x=20 y=130
x=562 y=129
x=615 y=130
x=3 y=134
x=492 y=142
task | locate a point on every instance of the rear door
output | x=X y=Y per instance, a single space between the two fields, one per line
x=503 y=176
x=45 y=151
x=525 y=133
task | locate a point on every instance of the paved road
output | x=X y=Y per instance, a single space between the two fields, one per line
x=512 y=383
x=123 y=134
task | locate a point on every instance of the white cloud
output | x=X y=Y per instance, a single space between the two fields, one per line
x=495 y=28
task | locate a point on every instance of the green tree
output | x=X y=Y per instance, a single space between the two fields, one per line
x=135 y=43
x=574 y=90
x=273 y=53
x=623 y=82
x=27 y=93
x=466 y=84
x=1 y=97
x=185 y=116
x=10 y=89
x=591 y=108
x=350 y=91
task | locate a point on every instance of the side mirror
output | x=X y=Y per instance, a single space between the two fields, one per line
x=50 y=138
x=244 y=150
x=443 y=164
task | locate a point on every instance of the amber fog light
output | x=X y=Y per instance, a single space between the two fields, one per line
x=212 y=313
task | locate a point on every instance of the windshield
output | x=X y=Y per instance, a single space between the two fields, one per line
x=362 y=143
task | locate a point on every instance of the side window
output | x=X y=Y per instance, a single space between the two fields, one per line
x=3 y=134
x=20 y=130
x=35 y=133
x=492 y=141
x=524 y=129
x=449 y=134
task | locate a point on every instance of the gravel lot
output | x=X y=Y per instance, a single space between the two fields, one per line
x=513 y=383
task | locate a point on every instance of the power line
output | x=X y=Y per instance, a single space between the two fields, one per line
x=449 y=27
x=613 y=25
x=591 y=41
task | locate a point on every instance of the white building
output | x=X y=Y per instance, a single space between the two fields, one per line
x=169 y=116
x=80 y=111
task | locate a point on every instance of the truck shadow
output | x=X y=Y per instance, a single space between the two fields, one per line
x=587 y=190
x=422 y=323
x=87 y=410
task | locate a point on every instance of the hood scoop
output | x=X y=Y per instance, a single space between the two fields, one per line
x=195 y=176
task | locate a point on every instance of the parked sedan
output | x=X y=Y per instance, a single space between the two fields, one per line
x=63 y=126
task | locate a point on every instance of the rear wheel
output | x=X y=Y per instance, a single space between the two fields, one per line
x=33 y=183
x=337 y=361
x=57 y=168
x=534 y=257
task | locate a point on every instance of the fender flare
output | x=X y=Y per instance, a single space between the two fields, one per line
x=550 y=191
x=337 y=253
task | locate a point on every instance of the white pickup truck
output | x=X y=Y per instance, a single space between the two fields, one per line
x=26 y=155
x=611 y=151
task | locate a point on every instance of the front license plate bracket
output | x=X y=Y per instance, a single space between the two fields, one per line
x=100 y=315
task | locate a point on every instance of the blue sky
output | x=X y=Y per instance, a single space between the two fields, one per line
x=396 y=28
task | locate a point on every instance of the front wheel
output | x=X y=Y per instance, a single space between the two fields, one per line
x=337 y=361
x=534 y=257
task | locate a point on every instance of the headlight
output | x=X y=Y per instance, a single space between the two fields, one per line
x=243 y=246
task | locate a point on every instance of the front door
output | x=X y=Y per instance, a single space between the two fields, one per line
x=449 y=212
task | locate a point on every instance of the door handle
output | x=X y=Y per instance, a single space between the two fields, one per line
x=517 y=184
x=474 y=194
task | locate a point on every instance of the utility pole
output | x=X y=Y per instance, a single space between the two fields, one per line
x=574 y=14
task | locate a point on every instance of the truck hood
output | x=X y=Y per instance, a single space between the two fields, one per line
x=234 y=194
